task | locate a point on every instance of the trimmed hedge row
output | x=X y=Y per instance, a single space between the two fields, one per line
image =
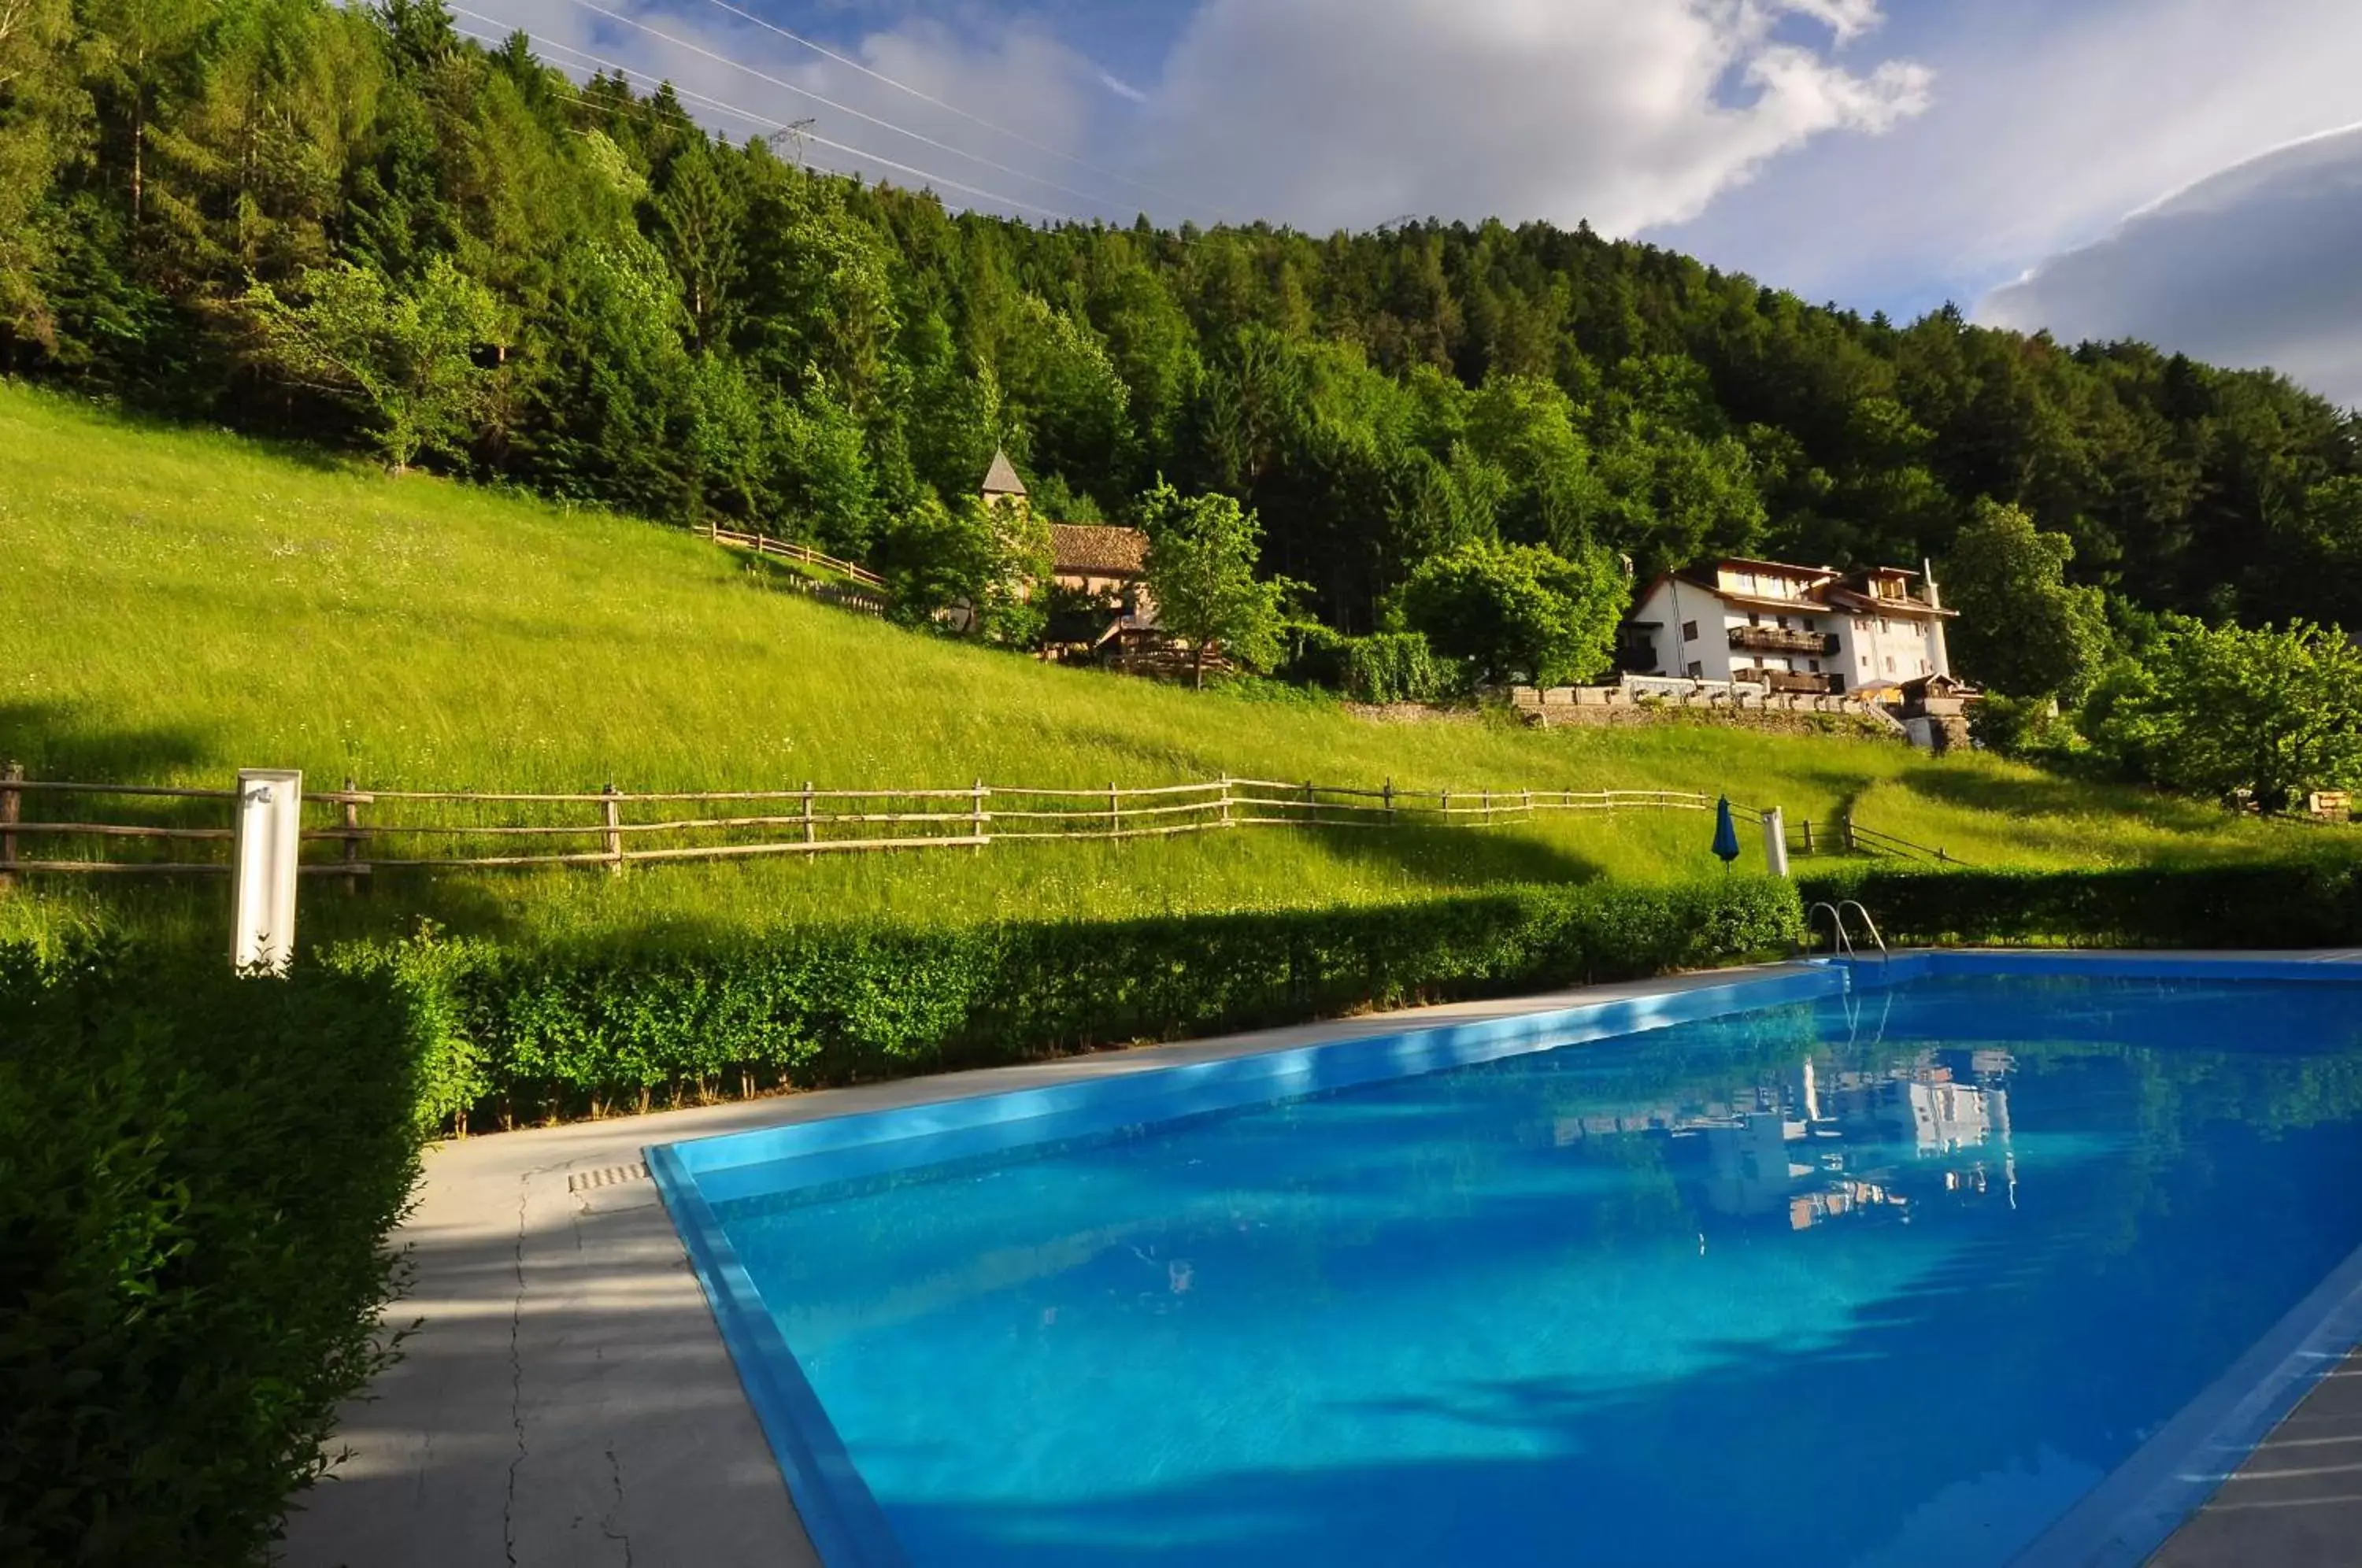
x=195 y=1175
x=2277 y=904
x=526 y=1035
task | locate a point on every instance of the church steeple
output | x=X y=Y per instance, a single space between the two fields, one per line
x=1001 y=481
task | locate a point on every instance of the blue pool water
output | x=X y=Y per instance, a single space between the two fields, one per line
x=1886 y=1279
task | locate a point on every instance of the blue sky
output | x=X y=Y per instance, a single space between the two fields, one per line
x=1886 y=154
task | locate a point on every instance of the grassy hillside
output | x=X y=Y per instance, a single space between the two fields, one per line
x=177 y=605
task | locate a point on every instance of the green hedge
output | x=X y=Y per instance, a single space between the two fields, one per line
x=2283 y=904
x=195 y=1174
x=536 y=1035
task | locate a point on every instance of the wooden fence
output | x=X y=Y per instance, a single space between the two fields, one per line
x=354 y=832
x=803 y=555
x=1843 y=835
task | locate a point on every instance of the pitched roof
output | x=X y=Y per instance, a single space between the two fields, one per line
x=1001 y=479
x=1087 y=549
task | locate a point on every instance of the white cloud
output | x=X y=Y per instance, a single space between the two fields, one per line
x=1624 y=113
x=1317 y=113
x=2054 y=121
x=2254 y=265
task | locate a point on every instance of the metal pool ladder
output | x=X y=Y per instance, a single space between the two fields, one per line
x=1841 y=943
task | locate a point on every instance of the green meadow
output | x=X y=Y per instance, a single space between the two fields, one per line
x=177 y=605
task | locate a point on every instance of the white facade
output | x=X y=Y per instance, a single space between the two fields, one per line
x=1743 y=620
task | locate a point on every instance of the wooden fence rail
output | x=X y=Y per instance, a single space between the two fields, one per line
x=803 y=555
x=357 y=833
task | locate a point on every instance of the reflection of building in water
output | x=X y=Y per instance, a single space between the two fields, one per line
x=1939 y=1115
x=1819 y=1145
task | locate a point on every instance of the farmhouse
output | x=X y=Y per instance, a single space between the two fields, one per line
x=1793 y=628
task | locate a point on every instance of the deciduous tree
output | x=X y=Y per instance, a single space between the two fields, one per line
x=1202 y=552
x=2221 y=709
x=2023 y=630
x=1520 y=612
x=403 y=356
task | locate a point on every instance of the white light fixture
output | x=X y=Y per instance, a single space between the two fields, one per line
x=270 y=825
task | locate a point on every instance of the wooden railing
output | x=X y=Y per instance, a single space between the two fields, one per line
x=358 y=833
x=803 y=555
x=1845 y=836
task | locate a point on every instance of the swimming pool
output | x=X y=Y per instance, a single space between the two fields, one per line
x=1889 y=1269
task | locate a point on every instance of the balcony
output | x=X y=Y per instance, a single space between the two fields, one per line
x=1775 y=639
x=1789 y=681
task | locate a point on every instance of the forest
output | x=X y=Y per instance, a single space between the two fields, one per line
x=360 y=227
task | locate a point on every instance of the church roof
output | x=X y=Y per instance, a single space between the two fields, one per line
x=1002 y=478
x=1082 y=549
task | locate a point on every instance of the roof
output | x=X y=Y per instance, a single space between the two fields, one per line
x=1856 y=604
x=1080 y=549
x=1745 y=601
x=1002 y=478
x=1756 y=564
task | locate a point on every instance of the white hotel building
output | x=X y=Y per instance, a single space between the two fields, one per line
x=1792 y=628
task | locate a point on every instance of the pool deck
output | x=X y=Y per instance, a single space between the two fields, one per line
x=565 y=1398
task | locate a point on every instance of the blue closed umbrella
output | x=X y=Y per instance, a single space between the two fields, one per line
x=1725 y=833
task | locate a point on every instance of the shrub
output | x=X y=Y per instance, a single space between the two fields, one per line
x=558 y=1033
x=1390 y=666
x=1394 y=667
x=2284 y=905
x=195 y=1175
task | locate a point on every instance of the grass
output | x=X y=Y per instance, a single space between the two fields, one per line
x=180 y=603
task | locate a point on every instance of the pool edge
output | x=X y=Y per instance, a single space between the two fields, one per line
x=842 y=1520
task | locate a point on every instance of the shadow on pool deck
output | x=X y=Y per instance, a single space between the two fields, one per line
x=569 y=1410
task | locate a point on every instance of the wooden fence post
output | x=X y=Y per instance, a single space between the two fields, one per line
x=1444 y=810
x=1311 y=806
x=11 y=812
x=812 y=828
x=1226 y=802
x=976 y=817
x=352 y=840
x=1390 y=802
x=613 y=809
x=1808 y=836
x=1529 y=805
x=1484 y=804
x=1115 y=810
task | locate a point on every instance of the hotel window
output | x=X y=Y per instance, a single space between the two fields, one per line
x=1817 y=666
x=1890 y=664
x=1753 y=619
x=1808 y=624
x=1689 y=631
x=1697 y=670
x=1783 y=623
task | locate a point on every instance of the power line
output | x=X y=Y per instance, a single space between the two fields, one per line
x=621 y=69
x=856 y=114
x=926 y=97
x=821 y=140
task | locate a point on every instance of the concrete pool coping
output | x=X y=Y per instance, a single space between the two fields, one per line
x=567 y=1397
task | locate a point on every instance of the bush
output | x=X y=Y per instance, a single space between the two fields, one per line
x=195 y=1175
x=2284 y=905
x=531 y=1035
x=1390 y=666
x=1394 y=667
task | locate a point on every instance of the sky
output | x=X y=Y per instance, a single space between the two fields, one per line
x=2163 y=169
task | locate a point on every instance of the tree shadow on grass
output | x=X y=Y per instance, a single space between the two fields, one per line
x=54 y=742
x=1454 y=857
x=2019 y=798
